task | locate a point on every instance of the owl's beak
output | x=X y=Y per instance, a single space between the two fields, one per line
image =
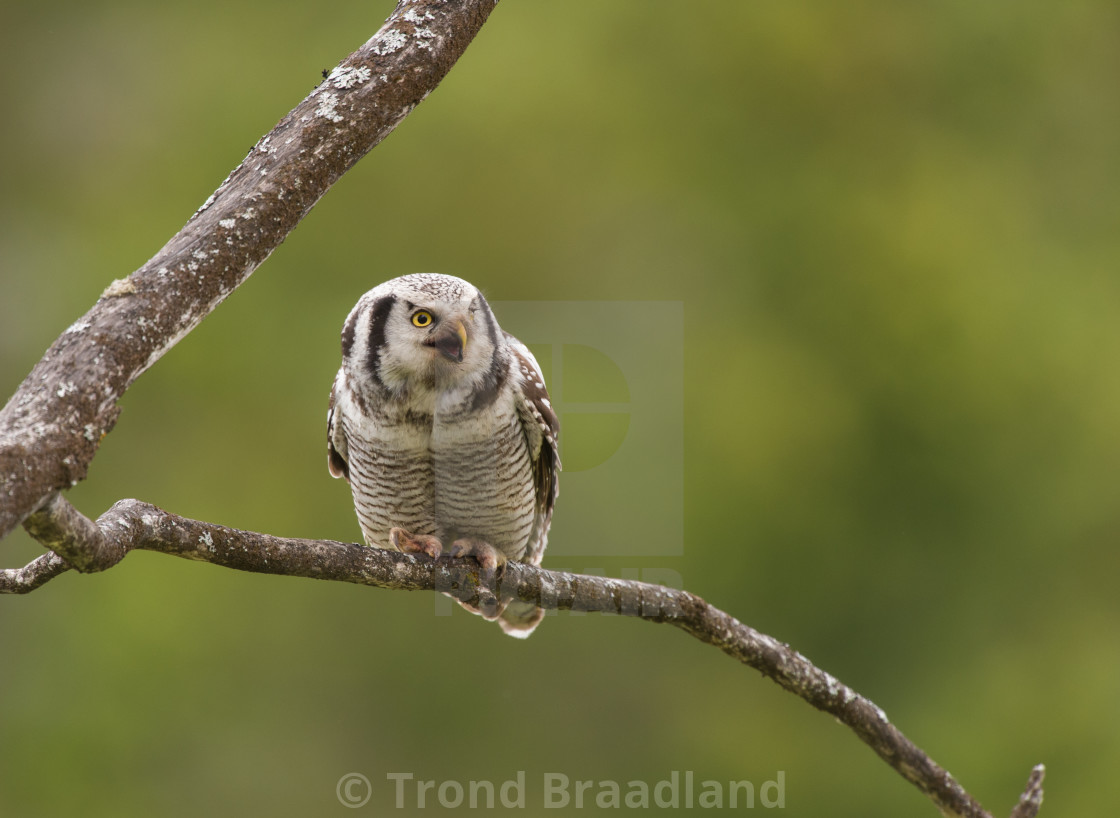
x=451 y=340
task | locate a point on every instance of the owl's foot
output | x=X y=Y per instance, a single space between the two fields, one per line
x=490 y=559
x=408 y=543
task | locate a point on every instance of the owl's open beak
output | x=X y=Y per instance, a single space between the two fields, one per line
x=450 y=340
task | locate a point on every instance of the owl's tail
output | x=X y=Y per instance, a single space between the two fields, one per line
x=520 y=619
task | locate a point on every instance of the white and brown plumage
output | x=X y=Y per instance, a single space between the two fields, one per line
x=441 y=423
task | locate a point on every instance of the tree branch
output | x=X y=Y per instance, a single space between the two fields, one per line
x=1031 y=799
x=52 y=426
x=132 y=525
x=37 y=572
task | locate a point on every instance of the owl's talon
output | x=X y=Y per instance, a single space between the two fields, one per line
x=408 y=543
x=489 y=607
x=490 y=559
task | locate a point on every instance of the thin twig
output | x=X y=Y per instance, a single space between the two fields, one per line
x=1031 y=799
x=36 y=573
x=132 y=525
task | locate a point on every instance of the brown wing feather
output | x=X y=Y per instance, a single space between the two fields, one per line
x=336 y=461
x=542 y=432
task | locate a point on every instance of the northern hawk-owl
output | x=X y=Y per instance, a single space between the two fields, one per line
x=441 y=424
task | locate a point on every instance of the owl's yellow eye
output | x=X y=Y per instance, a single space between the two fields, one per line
x=422 y=318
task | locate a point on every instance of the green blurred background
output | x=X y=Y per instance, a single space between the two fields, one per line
x=893 y=228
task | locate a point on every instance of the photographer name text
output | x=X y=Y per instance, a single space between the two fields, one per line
x=679 y=790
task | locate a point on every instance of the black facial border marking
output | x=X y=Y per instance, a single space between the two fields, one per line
x=495 y=377
x=379 y=317
x=348 y=335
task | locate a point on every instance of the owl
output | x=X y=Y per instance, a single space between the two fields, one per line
x=442 y=426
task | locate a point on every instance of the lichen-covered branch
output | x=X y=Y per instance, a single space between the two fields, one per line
x=37 y=572
x=51 y=428
x=1031 y=799
x=132 y=525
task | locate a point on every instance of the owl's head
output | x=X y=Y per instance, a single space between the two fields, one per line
x=421 y=331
